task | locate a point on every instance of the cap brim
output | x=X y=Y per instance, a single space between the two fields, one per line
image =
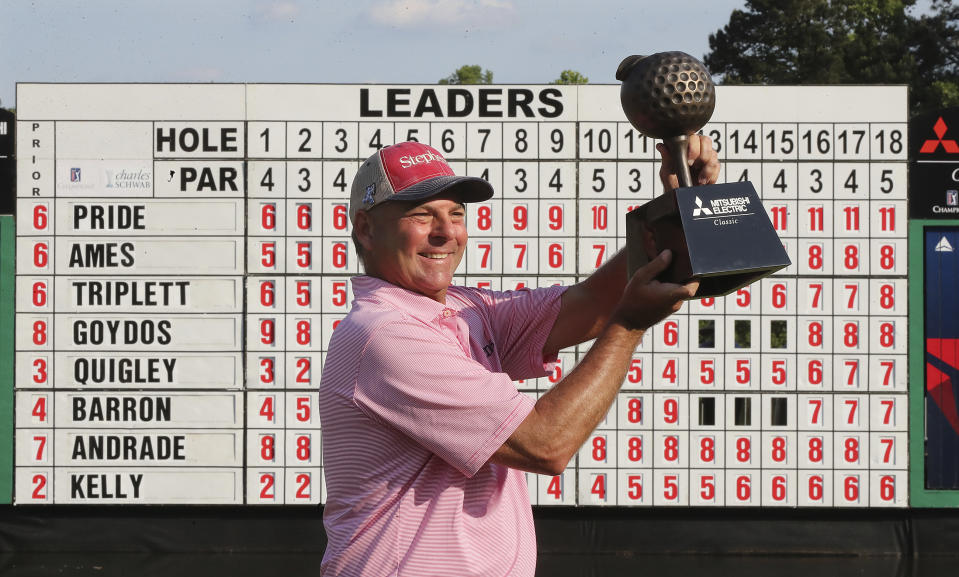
x=469 y=189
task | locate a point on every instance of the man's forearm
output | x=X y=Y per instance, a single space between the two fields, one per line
x=586 y=306
x=564 y=417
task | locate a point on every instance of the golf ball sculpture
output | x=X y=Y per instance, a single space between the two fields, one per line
x=667 y=95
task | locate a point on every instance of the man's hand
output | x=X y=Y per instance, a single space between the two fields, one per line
x=646 y=301
x=588 y=306
x=703 y=162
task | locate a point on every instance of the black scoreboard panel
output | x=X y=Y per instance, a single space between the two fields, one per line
x=183 y=254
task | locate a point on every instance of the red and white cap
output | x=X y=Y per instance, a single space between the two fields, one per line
x=410 y=171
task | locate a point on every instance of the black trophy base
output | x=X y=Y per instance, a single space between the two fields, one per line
x=720 y=235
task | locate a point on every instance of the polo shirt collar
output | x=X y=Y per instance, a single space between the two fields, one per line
x=420 y=307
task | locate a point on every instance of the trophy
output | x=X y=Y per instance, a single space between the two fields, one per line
x=719 y=234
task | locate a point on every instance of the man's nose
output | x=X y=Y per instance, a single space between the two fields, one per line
x=443 y=227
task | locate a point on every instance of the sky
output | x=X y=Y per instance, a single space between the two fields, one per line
x=340 y=41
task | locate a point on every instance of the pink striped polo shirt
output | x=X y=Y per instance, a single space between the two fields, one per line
x=415 y=397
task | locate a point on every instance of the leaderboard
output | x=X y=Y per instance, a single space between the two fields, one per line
x=184 y=255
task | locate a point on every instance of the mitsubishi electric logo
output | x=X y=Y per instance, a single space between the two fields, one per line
x=700 y=210
x=722 y=207
x=934 y=165
x=930 y=146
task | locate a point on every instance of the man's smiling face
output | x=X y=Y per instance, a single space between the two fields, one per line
x=415 y=245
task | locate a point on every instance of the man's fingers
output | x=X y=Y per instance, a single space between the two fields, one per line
x=664 y=155
x=652 y=269
x=702 y=159
x=709 y=173
x=691 y=287
x=693 y=150
x=707 y=162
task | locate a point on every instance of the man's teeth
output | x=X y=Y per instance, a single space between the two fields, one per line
x=436 y=256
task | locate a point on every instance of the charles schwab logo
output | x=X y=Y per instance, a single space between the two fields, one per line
x=129 y=179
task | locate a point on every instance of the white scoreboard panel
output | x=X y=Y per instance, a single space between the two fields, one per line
x=183 y=255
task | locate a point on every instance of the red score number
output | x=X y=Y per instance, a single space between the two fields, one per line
x=41 y=217
x=303 y=483
x=268 y=216
x=267 y=486
x=340 y=217
x=304 y=254
x=554 y=217
x=304 y=293
x=338 y=293
x=484 y=217
x=554 y=256
x=303 y=448
x=268 y=408
x=268 y=254
x=268 y=447
x=40 y=370
x=338 y=255
x=267 y=370
x=39 y=294
x=304 y=216
x=39 y=482
x=303 y=367
x=41 y=255
x=267 y=294
x=598 y=487
x=555 y=487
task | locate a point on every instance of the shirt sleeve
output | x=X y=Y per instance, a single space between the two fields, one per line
x=418 y=381
x=522 y=321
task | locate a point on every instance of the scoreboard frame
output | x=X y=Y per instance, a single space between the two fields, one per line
x=552 y=230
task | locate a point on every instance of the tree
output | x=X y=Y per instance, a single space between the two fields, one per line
x=935 y=44
x=571 y=77
x=842 y=42
x=469 y=74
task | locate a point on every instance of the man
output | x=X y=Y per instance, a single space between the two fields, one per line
x=425 y=437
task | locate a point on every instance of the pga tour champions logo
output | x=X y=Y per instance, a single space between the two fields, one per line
x=79 y=179
x=952 y=198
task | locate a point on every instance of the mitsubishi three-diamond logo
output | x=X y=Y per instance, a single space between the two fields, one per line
x=930 y=146
x=701 y=210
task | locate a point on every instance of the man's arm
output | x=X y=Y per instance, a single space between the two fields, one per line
x=564 y=417
x=586 y=307
x=616 y=313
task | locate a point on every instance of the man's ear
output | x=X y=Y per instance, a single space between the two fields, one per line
x=363 y=229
